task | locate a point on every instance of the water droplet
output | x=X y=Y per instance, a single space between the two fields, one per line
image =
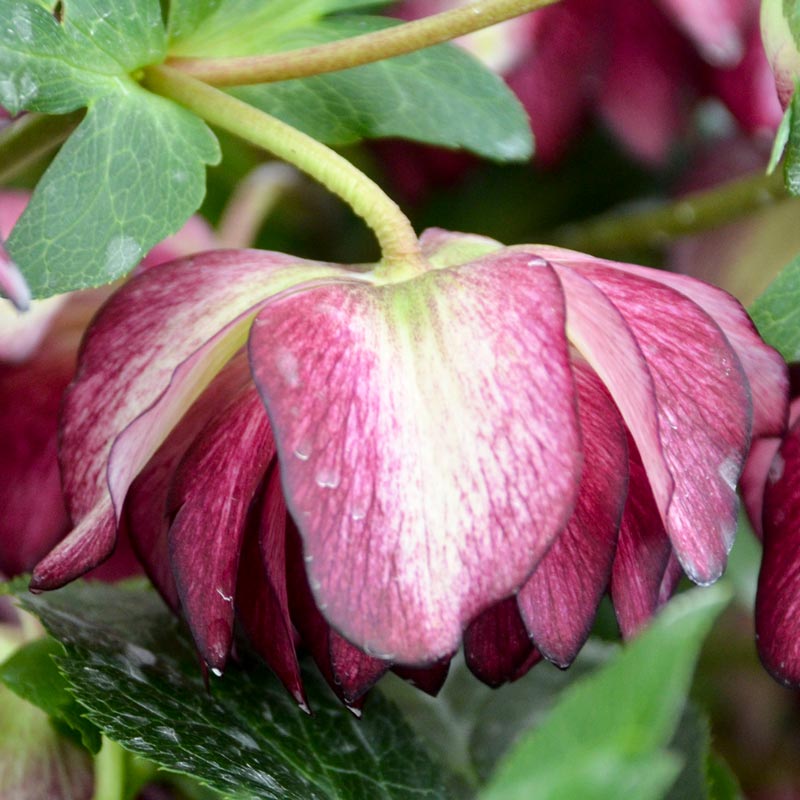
x=303 y=450
x=776 y=469
x=216 y=672
x=729 y=471
x=327 y=479
x=227 y=598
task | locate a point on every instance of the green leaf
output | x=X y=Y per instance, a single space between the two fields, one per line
x=441 y=95
x=781 y=140
x=791 y=11
x=777 y=312
x=55 y=67
x=32 y=674
x=220 y=28
x=134 y=668
x=130 y=176
x=607 y=736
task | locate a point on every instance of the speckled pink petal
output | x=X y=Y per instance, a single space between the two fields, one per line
x=778 y=596
x=643 y=551
x=559 y=601
x=497 y=645
x=151 y=351
x=146 y=510
x=13 y=285
x=428 y=443
x=261 y=600
x=764 y=368
x=716 y=26
x=210 y=497
x=682 y=392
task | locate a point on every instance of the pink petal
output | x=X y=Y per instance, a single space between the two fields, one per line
x=559 y=601
x=261 y=599
x=649 y=112
x=643 y=552
x=765 y=370
x=748 y=88
x=151 y=351
x=778 y=596
x=497 y=646
x=211 y=493
x=354 y=672
x=428 y=443
x=717 y=26
x=12 y=284
x=681 y=391
x=146 y=510
x=556 y=80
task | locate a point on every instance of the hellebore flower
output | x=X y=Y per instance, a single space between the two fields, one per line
x=444 y=442
x=781 y=47
x=38 y=353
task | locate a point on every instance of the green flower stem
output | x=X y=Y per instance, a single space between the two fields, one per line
x=692 y=213
x=32 y=136
x=353 y=52
x=109 y=772
x=402 y=257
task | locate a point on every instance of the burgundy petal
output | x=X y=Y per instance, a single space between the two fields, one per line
x=427 y=679
x=428 y=443
x=643 y=553
x=150 y=352
x=559 y=601
x=261 y=600
x=317 y=634
x=497 y=645
x=33 y=516
x=680 y=388
x=146 y=504
x=211 y=493
x=778 y=596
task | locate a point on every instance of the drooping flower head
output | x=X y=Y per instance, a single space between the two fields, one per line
x=468 y=437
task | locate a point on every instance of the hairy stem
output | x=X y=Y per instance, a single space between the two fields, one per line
x=358 y=50
x=659 y=224
x=398 y=242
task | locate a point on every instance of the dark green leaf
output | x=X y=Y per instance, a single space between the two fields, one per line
x=777 y=312
x=130 y=176
x=133 y=667
x=722 y=783
x=55 y=67
x=693 y=741
x=606 y=737
x=32 y=674
x=441 y=95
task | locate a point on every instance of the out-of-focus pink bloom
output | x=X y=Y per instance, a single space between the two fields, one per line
x=482 y=431
x=38 y=352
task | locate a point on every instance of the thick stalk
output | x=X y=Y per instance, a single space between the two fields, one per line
x=398 y=242
x=692 y=213
x=109 y=772
x=358 y=50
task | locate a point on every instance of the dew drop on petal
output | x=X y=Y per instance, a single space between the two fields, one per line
x=327 y=478
x=776 y=469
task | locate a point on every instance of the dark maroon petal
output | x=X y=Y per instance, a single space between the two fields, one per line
x=428 y=443
x=559 y=601
x=354 y=672
x=497 y=644
x=427 y=679
x=261 y=601
x=643 y=553
x=778 y=595
x=146 y=504
x=211 y=494
x=317 y=634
